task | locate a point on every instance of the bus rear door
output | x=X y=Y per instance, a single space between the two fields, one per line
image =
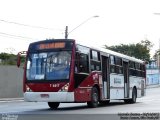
x=126 y=79
x=105 y=77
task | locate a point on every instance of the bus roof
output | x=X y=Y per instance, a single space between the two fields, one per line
x=121 y=55
x=110 y=52
x=51 y=40
x=103 y=50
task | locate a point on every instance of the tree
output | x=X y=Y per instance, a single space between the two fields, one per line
x=4 y=57
x=156 y=55
x=140 y=50
x=147 y=43
x=8 y=59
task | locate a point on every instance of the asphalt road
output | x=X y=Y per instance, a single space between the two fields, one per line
x=147 y=106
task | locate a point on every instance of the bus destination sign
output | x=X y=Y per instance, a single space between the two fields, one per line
x=52 y=45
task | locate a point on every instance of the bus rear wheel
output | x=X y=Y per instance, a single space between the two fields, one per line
x=134 y=97
x=53 y=105
x=94 y=98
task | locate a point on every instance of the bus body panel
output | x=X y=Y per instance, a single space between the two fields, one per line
x=49 y=96
x=82 y=94
x=116 y=86
x=137 y=82
x=45 y=87
x=83 y=91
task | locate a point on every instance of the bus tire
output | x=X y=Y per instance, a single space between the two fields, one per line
x=133 y=99
x=53 y=105
x=127 y=101
x=134 y=96
x=94 y=98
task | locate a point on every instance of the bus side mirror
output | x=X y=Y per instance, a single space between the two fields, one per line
x=19 y=57
x=18 y=60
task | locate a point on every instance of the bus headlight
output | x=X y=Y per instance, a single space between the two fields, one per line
x=28 y=89
x=64 y=88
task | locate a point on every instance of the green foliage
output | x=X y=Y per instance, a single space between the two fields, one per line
x=9 y=59
x=140 y=50
x=156 y=55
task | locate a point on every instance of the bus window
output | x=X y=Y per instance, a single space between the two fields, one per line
x=83 y=63
x=132 y=64
x=95 y=55
x=112 y=64
x=112 y=60
x=132 y=70
x=118 y=61
x=95 y=61
x=138 y=72
x=48 y=65
x=137 y=66
x=77 y=62
x=36 y=66
x=58 y=65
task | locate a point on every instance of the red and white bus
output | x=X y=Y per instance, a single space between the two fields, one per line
x=62 y=71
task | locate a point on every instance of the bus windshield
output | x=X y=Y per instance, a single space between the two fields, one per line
x=48 y=65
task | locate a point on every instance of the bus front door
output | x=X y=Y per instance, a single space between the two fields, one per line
x=105 y=77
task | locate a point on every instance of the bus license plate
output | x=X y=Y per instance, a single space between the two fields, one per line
x=44 y=95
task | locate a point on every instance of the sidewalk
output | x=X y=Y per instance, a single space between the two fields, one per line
x=11 y=99
x=152 y=86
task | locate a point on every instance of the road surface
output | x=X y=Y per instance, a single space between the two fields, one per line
x=18 y=109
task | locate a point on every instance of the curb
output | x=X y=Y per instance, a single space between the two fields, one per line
x=11 y=99
x=152 y=86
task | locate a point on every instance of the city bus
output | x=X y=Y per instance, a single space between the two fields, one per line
x=63 y=71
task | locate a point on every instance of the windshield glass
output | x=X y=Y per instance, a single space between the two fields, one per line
x=49 y=65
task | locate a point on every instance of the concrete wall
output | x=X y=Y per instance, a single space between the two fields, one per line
x=11 y=82
x=153 y=76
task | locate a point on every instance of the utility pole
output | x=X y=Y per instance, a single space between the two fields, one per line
x=66 y=32
x=66 y=29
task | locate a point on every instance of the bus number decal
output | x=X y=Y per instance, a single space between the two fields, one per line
x=54 y=85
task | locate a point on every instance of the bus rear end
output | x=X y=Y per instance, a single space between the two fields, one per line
x=48 y=72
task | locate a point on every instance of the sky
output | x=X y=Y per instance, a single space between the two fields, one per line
x=119 y=22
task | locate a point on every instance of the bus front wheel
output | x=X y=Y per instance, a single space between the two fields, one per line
x=53 y=105
x=94 y=98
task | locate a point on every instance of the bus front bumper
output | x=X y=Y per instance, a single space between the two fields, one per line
x=49 y=96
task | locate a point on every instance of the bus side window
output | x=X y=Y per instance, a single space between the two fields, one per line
x=112 y=64
x=119 y=67
x=77 y=62
x=95 y=63
x=84 y=63
x=81 y=63
x=132 y=70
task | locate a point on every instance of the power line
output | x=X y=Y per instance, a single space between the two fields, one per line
x=17 y=36
x=32 y=26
